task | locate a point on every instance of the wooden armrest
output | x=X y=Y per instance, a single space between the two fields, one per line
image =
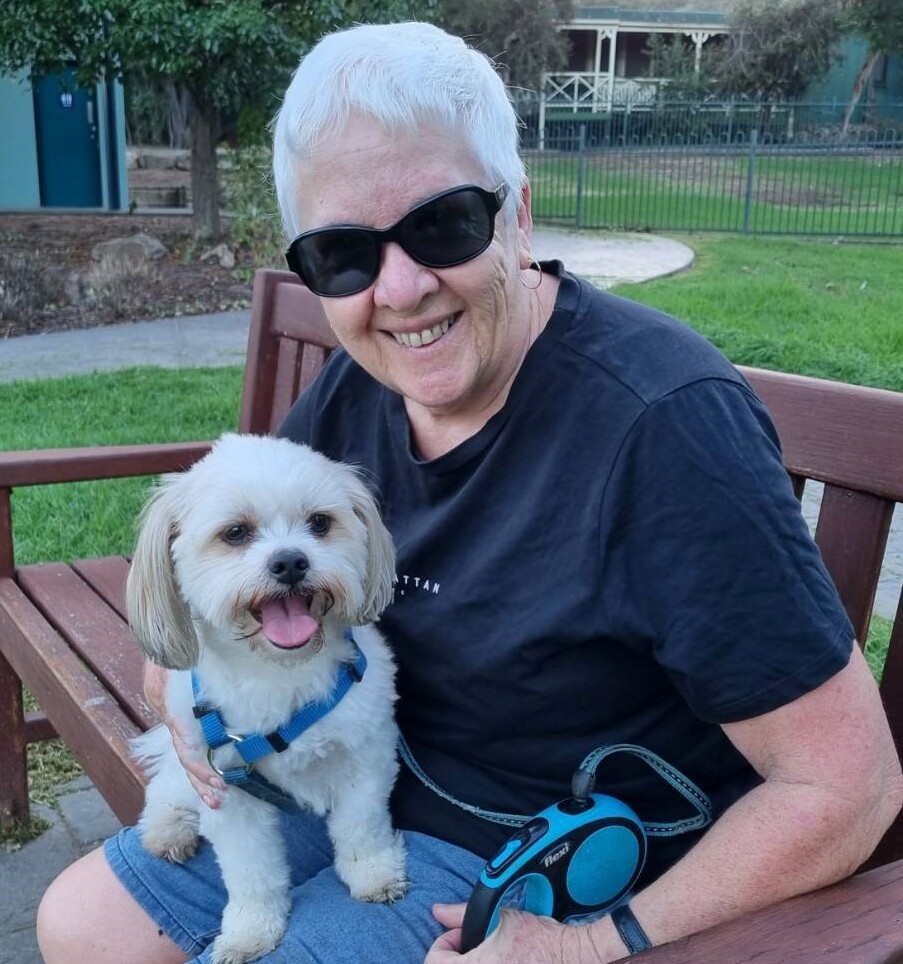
x=48 y=466
x=856 y=920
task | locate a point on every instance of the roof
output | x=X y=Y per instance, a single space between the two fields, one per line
x=660 y=11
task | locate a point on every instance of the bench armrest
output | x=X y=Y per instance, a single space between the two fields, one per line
x=48 y=466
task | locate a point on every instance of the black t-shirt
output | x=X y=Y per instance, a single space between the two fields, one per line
x=616 y=556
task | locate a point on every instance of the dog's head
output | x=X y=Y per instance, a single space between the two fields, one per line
x=264 y=540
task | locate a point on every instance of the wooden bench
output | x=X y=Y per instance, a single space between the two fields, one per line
x=63 y=631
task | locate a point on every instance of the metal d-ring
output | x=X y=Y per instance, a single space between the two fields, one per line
x=211 y=750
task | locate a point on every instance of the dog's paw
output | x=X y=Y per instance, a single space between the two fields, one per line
x=170 y=832
x=377 y=877
x=248 y=932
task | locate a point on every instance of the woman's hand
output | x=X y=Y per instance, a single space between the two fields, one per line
x=192 y=754
x=522 y=938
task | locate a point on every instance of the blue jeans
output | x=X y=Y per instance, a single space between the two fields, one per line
x=327 y=925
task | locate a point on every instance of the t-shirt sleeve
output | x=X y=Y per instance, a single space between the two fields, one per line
x=710 y=568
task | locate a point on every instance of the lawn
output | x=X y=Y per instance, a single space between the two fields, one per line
x=668 y=190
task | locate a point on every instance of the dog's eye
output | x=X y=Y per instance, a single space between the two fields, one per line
x=236 y=535
x=319 y=523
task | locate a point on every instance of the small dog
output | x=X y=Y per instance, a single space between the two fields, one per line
x=249 y=569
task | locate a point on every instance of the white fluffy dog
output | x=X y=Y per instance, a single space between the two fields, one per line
x=251 y=568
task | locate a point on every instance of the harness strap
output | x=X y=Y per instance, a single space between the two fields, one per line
x=582 y=786
x=254 y=746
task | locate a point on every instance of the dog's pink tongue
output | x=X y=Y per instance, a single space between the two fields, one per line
x=287 y=622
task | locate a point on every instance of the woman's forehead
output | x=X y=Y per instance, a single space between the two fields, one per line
x=366 y=174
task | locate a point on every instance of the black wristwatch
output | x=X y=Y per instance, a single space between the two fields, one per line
x=629 y=930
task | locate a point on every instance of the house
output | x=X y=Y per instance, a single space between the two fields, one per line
x=609 y=65
x=610 y=68
x=63 y=146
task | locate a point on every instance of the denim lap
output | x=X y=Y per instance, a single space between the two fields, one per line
x=327 y=925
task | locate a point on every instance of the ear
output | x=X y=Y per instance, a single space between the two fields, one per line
x=157 y=614
x=524 y=226
x=380 y=554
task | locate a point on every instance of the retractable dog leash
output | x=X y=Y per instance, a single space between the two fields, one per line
x=579 y=857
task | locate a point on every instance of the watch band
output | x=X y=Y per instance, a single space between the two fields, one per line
x=629 y=930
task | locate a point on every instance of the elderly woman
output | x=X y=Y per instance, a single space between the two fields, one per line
x=596 y=541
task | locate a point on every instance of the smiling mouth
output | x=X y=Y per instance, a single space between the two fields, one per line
x=419 y=339
x=287 y=621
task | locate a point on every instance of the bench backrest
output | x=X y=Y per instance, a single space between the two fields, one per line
x=848 y=437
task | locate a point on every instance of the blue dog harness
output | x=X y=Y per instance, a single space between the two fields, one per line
x=252 y=747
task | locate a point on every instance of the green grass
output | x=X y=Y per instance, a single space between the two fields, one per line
x=671 y=190
x=814 y=307
x=138 y=405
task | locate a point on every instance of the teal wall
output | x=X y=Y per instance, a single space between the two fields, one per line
x=19 y=188
x=838 y=84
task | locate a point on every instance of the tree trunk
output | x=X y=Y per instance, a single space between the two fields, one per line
x=861 y=80
x=204 y=181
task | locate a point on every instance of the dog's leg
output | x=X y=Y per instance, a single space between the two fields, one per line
x=168 y=826
x=369 y=854
x=247 y=839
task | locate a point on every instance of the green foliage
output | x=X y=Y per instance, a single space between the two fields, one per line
x=879 y=21
x=255 y=224
x=776 y=48
x=520 y=35
x=675 y=58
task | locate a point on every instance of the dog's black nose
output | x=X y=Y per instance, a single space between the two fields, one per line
x=289 y=566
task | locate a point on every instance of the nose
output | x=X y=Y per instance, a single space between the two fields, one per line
x=402 y=283
x=289 y=566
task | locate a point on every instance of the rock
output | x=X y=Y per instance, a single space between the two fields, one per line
x=77 y=291
x=222 y=253
x=136 y=247
x=131 y=159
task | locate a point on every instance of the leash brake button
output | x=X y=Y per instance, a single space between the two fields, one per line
x=524 y=838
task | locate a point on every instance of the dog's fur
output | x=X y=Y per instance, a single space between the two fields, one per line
x=196 y=585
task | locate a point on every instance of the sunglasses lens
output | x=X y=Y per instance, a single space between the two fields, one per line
x=448 y=230
x=337 y=263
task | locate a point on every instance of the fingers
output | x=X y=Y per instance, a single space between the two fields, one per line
x=192 y=753
x=449 y=915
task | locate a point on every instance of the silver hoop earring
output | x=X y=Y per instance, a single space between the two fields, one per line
x=533 y=264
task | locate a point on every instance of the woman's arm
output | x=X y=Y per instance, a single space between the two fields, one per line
x=832 y=786
x=192 y=754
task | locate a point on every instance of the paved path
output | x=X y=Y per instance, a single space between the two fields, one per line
x=220 y=339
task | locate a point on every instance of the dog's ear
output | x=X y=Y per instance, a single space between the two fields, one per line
x=157 y=614
x=380 y=554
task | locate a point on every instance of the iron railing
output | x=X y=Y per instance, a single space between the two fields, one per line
x=758 y=168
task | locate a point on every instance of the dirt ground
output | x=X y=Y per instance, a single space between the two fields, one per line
x=50 y=282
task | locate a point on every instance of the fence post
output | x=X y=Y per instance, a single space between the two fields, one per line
x=750 y=177
x=581 y=174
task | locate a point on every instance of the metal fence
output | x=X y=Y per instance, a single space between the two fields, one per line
x=758 y=168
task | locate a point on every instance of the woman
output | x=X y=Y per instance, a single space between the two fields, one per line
x=596 y=544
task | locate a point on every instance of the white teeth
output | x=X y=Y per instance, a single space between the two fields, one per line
x=415 y=339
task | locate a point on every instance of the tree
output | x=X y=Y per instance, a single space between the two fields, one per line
x=522 y=36
x=222 y=53
x=776 y=48
x=881 y=23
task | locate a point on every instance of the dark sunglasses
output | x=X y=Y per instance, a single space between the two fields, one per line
x=440 y=232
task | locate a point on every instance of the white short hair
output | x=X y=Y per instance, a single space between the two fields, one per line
x=401 y=75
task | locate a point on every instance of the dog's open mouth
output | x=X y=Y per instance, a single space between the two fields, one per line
x=286 y=621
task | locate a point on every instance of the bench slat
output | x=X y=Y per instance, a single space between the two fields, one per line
x=852 y=535
x=106 y=576
x=857 y=920
x=97 y=633
x=847 y=435
x=80 y=708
